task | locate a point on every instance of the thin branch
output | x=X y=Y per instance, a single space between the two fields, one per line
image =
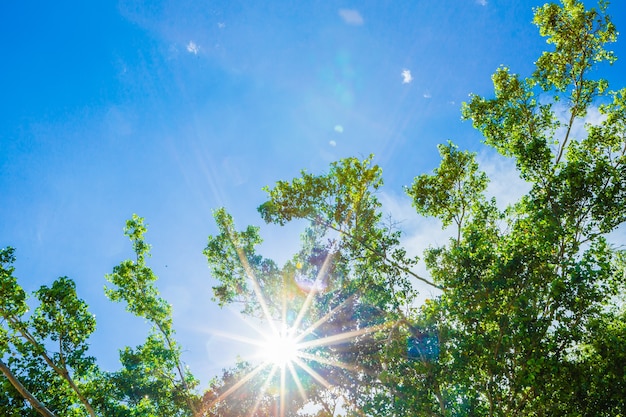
x=380 y=254
x=34 y=402
x=179 y=369
x=569 y=129
x=62 y=372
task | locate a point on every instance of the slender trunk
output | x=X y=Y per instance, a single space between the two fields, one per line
x=34 y=402
x=61 y=371
x=440 y=400
x=181 y=373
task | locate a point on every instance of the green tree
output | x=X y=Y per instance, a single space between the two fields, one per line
x=47 y=369
x=523 y=324
x=153 y=380
x=529 y=316
x=48 y=362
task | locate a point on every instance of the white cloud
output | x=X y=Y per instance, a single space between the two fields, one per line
x=221 y=25
x=192 y=48
x=332 y=143
x=482 y=2
x=339 y=129
x=351 y=16
x=418 y=233
x=406 y=76
x=505 y=183
x=579 y=127
x=427 y=95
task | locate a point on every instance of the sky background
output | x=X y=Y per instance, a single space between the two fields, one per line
x=173 y=108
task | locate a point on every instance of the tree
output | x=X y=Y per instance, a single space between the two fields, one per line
x=153 y=379
x=522 y=325
x=61 y=320
x=529 y=317
x=48 y=371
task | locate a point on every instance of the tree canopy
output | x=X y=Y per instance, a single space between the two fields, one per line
x=528 y=318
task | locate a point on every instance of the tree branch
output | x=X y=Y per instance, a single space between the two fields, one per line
x=382 y=255
x=34 y=402
x=62 y=372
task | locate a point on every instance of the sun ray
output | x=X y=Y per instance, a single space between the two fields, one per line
x=282 y=390
x=284 y=309
x=231 y=336
x=237 y=338
x=250 y=323
x=330 y=362
x=296 y=379
x=313 y=373
x=255 y=286
x=323 y=320
x=235 y=387
x=314 y=290
x=285 y=329
x=337 y=338
x=299 y=358
x=266 y=384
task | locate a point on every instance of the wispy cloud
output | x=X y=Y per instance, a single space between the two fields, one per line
x=579 y=127
x=505 y=183
x=351 y=16
x=192 y=48
x=406 y=76
x=482 y=2
x=418 y=233
x=427 y=95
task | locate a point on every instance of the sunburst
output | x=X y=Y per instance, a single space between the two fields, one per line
x=285 y=348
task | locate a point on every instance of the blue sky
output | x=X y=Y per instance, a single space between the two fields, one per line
x=170 y=109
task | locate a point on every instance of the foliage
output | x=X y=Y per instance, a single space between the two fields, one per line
x=528 y=317
x=49 y=371
x=153 y=378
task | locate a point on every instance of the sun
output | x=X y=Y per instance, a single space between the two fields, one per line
x=280 y=349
